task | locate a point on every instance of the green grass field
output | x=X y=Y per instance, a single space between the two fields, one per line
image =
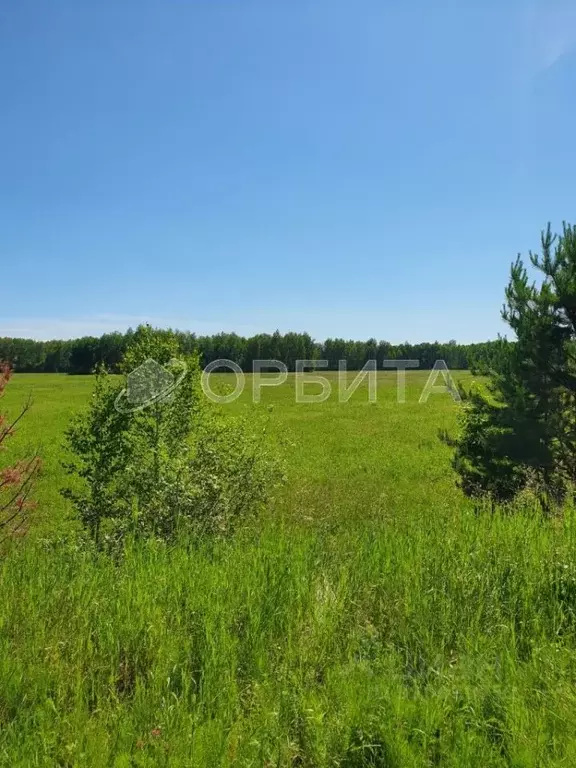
x=369 y=618
x=355 y=459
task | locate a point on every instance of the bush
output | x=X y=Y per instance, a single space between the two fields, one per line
x=16 y=481
x=153 y=457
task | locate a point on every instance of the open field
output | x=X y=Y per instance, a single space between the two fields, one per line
x=369 y=618
x=354 y=459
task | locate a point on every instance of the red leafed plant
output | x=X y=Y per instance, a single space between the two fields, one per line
x=15 y=481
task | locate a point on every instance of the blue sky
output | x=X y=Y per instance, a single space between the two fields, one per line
x=348 y=168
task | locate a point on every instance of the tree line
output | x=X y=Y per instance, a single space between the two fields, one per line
x=83 y=355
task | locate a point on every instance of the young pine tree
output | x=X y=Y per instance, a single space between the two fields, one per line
x=520 y=430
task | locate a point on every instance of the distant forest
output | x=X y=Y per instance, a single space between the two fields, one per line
x=80 y=356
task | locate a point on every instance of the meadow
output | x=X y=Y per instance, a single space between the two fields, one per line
x=354 y=459
x=371 y=616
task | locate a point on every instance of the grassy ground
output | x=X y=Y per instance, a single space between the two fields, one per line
x=355 y=459
x=371 y=619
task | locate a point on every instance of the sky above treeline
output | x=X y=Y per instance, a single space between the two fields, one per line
x=348 y=169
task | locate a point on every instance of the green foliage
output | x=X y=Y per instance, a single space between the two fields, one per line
x=481 y=457
x=166 y=462
x=520 y=431
x=82 y=356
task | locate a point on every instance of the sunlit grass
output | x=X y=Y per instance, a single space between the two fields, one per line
x=371 y=617
x=343 y=459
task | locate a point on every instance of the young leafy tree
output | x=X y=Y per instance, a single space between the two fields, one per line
x=152 y=457
x=129 y=452
x=100 y=452
x=16 y=481
x=520 y=430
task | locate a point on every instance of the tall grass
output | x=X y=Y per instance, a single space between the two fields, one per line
x=382 y=624
x=444 y=638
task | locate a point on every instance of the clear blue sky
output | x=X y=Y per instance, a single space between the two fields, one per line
x=348 y=168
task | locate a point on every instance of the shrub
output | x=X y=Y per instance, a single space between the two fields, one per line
x=153 y=457
x=16 y=481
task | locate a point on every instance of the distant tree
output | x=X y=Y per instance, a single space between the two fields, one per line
x=83 y=355
x=110 y=351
